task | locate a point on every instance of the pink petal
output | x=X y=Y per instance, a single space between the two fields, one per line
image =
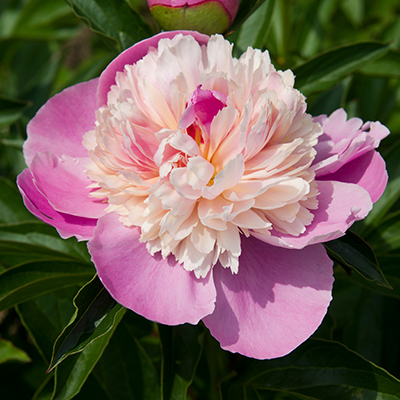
x=203 y=104
x=67 y=225
x=344 y=140
x=367 y=171
x=60 y=124
x=64 y=184
x=131 y=56
x=275 y=302
x=338 y=127
x=340 y=204
x=160 y=290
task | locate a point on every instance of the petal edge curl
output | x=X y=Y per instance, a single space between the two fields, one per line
x=66 y=225
x=367 y=171
x=63 y=182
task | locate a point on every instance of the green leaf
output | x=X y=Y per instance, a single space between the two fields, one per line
x=12 y=208
x=364 y=330
x=71 y=375
x=255 y=29
x=282 y=31
x=246 y=8
x=37 y=19
x=8 y=352
x=37 y=15
x=329 y=101
x=354 y=10
x=388 y=66
x=350 y=251
x=30 y=241
x=326 y=69
x=319 y=370
x=125 y=370
x=33 y=83
x=96 y=313
x=182 y=347
x=387 y=237
x=114 y=19
x=365 y=322
x=390 y=267
x=51 y=310
x=11 y=110
x=310 y=30
x=27 y=281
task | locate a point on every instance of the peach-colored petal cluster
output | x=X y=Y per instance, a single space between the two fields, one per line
x=197 y=148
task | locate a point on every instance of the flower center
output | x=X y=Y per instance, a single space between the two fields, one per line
x=202 y=107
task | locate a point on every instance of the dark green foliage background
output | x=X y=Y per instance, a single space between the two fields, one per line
x=54 y=314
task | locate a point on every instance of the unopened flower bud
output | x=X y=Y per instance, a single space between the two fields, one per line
x=204 y=16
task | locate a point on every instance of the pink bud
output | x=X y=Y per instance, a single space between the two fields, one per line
x=205 y=16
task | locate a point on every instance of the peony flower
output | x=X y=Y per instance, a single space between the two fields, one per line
x=204 y=188
x=206 y=16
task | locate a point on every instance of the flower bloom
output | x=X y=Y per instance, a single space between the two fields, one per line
x=204 y=188
x=206 y=16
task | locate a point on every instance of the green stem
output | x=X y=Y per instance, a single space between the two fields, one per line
x=217 y=366
x=282 y=30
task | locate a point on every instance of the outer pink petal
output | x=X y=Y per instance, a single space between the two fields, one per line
x=131 y=56
x=367 y=171
x=61 y=123
x=36 y=203
x=64 y=184
x=340 y=204
x=160 y=290
x=344 y=140
x=275 y=302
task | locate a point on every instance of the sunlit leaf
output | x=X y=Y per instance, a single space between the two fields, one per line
x=114 y=19
x=8 y=352
x=387 y=66
x=246 y=8
x=255 y=29
x=326 y=69
x=96 y=313
x=71 y=375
